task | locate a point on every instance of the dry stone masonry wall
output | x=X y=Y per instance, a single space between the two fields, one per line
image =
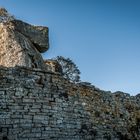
x=37 y=103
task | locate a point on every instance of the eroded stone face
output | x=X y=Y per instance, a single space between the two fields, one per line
x=38 y=35
x=53 y=66
x=37 y=105
x=19 y=45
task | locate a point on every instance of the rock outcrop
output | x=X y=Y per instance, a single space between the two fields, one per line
x=38 y=103
x=53 y=66
x=21 y=44
x=38 y=35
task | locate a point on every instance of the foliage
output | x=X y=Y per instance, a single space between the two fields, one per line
x=5 y=16
x=69 y=69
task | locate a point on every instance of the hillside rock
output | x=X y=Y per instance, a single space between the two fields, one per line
x=53 y=65
x=38 y=35
x=21 y=44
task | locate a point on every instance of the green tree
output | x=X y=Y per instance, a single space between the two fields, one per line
x=69 y=69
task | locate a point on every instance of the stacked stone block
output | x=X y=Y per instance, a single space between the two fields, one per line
x=40 y=105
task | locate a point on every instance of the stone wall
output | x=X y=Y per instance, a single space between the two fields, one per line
x=37 y=103
x=41 y=105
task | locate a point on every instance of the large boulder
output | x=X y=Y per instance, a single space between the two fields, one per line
x=53 y=66
x=21 y=44
x=38 y=35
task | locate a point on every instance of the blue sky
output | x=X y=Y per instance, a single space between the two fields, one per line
x=101 y=36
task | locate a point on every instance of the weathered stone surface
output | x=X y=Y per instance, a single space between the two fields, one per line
x=37 y=103
x=57 y=109
x=53 y=65
x=38 y=35
x=17 y=49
